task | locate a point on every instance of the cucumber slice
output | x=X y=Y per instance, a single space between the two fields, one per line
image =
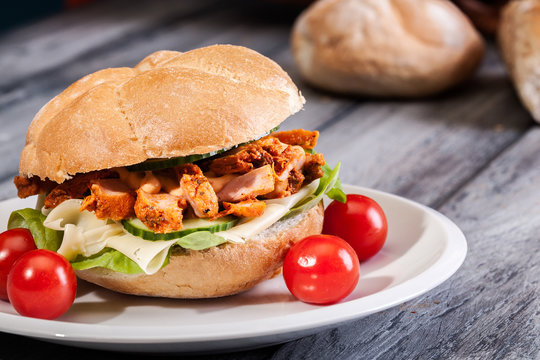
x=158 y=164
x=136 y=227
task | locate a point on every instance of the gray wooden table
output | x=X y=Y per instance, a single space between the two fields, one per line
x=472 y=153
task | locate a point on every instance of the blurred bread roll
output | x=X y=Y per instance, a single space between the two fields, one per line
x=519 y=39
x=402 y=48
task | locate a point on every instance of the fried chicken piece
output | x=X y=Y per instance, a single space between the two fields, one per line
x=110 y=199
x=247 y=157
x=256 y=182
x=295 y=181
x=272 y=145
x=189 y=169
x=312 y=167
x=32 y=186
x=199 y=193
x=219 y=183
x=232 y=164
x=293 y=158
x=76 y=187
x=161 y=213
x=241 y=160
x=304 y=138
x=246 y=208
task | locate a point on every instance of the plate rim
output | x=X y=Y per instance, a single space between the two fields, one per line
x=325 y=316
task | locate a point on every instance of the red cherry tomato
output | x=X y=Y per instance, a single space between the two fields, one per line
x=361 y=222
x=42 y=284
x=13 y=243
x=321 y=269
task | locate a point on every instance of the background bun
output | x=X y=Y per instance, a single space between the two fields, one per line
x=400 y=48
x=219 y=271
x=170 y=104
x=519 y=39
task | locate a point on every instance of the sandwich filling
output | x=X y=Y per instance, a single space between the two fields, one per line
x=237 y=193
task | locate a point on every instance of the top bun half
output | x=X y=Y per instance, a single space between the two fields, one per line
x=171 y=104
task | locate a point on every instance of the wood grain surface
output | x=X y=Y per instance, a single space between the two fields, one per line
x=472 y=153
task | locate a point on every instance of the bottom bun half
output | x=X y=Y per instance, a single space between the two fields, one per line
x=219 y=271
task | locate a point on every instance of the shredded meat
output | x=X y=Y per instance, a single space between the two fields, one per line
x=75 y=188
x=288 y=162
x=312 y=167
x=246 y=208
x=292 y=159
x=32 y=186
x=161 y=212
x=272 y=145
x=248 y=157
x=295 y=181
x=200 y=195
x=241 y=160
x=257 y=182
x=110 y=199
x=305 y=138
x=189 y=169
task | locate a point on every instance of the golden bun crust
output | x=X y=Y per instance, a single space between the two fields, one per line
x=218 y=271
x=171 y=104
x=401 y=48
x=519 y=40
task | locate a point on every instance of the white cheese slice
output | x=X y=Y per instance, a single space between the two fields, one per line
x=149 y=255
x=68 y=213
x=83 y=232
x=87 y=235
x=78 y=241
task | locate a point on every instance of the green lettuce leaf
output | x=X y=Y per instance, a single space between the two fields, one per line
x=335 y=189
x=200 y=240
x=116 y=261
x=110 y=259
x=329 y=184
x=32 y=220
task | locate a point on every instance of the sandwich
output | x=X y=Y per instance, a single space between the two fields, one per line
x=171 y=178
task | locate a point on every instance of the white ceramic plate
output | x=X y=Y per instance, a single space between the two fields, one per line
x=423 y=249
